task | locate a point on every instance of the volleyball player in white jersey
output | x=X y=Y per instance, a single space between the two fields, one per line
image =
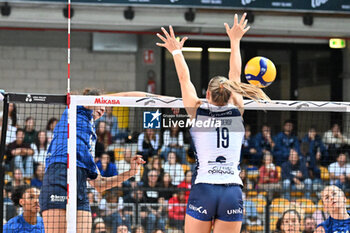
x=216 y=196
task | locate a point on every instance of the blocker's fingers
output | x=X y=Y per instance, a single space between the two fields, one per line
x=235 y=20
x=171 y=30
x=160 y=44
x=245 y=23
x=227 y=27
x=165 y=32
x=183 y=40
x=246 y=29
x=161 y=37
x=243 y=18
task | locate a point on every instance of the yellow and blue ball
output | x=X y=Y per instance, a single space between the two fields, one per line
x=260 y=71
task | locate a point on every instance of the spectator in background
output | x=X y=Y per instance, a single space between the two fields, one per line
x=124 y=164
x=251 y=214
x=263 y=143
x=10 y=133
x=268 y=175
x=137 y=196
x=103 y=135
x=40 y=147
x=295 y=175
x=12 y=115
x=174 y=169
x=29 y=130
x=148 y=143
x=139 y=229
x=177 y=210
x=317 y=153
x=186 y=183
x=28 y=198
x=167 y=190
x=248 y=151
x=22 y=154
x=95 y=212
x=99 y=226
x=339 y=172
x=37 y=180
x=50 y=127
x=106 y=167
x=155 y=216
x=284 y=142
x=110 y=121
x=291 y=221
x=155 y=164
x=16 y=181
x=335 y=141
x=122 y=229
x=309 y=224
x=313 y=170
x=112 y=210
x=173 y=141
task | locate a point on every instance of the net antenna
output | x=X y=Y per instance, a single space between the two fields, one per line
x=71 y=210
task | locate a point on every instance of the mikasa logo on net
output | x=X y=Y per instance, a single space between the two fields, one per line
x=102 y=100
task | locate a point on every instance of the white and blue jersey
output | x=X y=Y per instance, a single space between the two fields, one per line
x=19 y=225
x=218 y=149
x=332 y=225
x=216 y=192
x=86 y=140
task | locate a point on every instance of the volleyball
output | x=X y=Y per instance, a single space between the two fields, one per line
x=260 y=71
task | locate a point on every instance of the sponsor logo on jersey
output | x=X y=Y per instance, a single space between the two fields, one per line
x=235 y=211
x=102 y=100
x=221 y=170
x=198 y=209
x=55 y=198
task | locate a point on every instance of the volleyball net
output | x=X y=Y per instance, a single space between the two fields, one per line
x=284 y=141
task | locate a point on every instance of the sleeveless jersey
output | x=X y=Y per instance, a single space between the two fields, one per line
x=217 y=144
x=332 y=225
x=86 y=139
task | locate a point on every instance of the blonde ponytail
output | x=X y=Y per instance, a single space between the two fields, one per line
x=221 y=90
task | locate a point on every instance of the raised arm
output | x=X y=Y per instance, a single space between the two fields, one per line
x=188 y=91
x=235 y=34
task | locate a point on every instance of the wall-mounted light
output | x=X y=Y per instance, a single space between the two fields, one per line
x=65 y=12
x=5 y=9
x=129 y=13
x=192 y=49
x=219 y=50
x=190 y=15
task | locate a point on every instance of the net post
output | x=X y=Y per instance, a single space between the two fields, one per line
x=2 y=152
x=71 y=210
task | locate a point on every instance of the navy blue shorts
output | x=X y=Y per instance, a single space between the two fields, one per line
x=53 y=193
x=215 y=201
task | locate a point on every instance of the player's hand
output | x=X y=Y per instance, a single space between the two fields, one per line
x=135 y=164
x=170 y=41
x=238 y=29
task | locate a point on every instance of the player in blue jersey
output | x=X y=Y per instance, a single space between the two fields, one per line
x=334 y=202
x=215 y=199
x=29 y=221
x=53 y=198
